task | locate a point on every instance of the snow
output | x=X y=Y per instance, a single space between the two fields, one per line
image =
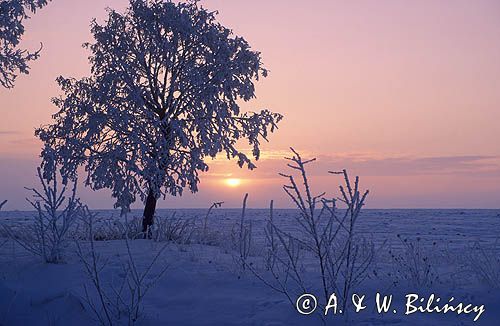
x=203 y=285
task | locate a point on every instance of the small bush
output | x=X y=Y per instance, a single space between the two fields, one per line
x=411 y=265
x=55 y=217
x=241 y=238
x=120 y=301
x=326 y=254
x=484 y=263
x=4 y=241
x=173 y=229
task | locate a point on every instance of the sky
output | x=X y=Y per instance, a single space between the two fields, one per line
x=404 y=94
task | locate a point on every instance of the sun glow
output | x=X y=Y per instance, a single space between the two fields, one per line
x=232 y=182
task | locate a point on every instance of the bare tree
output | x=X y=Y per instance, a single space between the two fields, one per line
x=163 y=96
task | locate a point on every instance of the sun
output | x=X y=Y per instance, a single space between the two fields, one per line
x=232 y=182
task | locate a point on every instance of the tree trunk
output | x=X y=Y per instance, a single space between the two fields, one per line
x=149 y=213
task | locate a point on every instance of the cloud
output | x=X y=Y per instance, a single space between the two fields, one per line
x=26 y=142
x=8 y=132
x=399 y=166
x=364 y=164
x=444 y=165
x=403 y=181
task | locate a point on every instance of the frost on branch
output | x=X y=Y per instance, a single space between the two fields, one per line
x=57 y=210
x=162 y=97
x=14 y=60
x=326 y=254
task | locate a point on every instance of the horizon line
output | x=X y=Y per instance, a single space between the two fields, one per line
x=267 y=208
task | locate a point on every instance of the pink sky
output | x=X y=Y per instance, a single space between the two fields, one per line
x=405 y=94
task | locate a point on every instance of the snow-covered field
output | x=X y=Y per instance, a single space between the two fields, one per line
x=205 y=285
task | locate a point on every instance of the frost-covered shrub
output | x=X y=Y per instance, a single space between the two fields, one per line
x=5 y=241
x=484 y=263
x=207 y=236
x=325 y=254
x=212 y=237
x=56 y=215
x=106 y=229
x=173 y=229
x=241 y=238
x=166 y=229
x=118 y=301
x=412 y=265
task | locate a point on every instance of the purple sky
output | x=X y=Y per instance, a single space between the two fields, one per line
x=405 y=94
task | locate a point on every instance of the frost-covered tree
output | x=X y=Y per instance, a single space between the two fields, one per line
x=162 y=97
x=14 y=60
